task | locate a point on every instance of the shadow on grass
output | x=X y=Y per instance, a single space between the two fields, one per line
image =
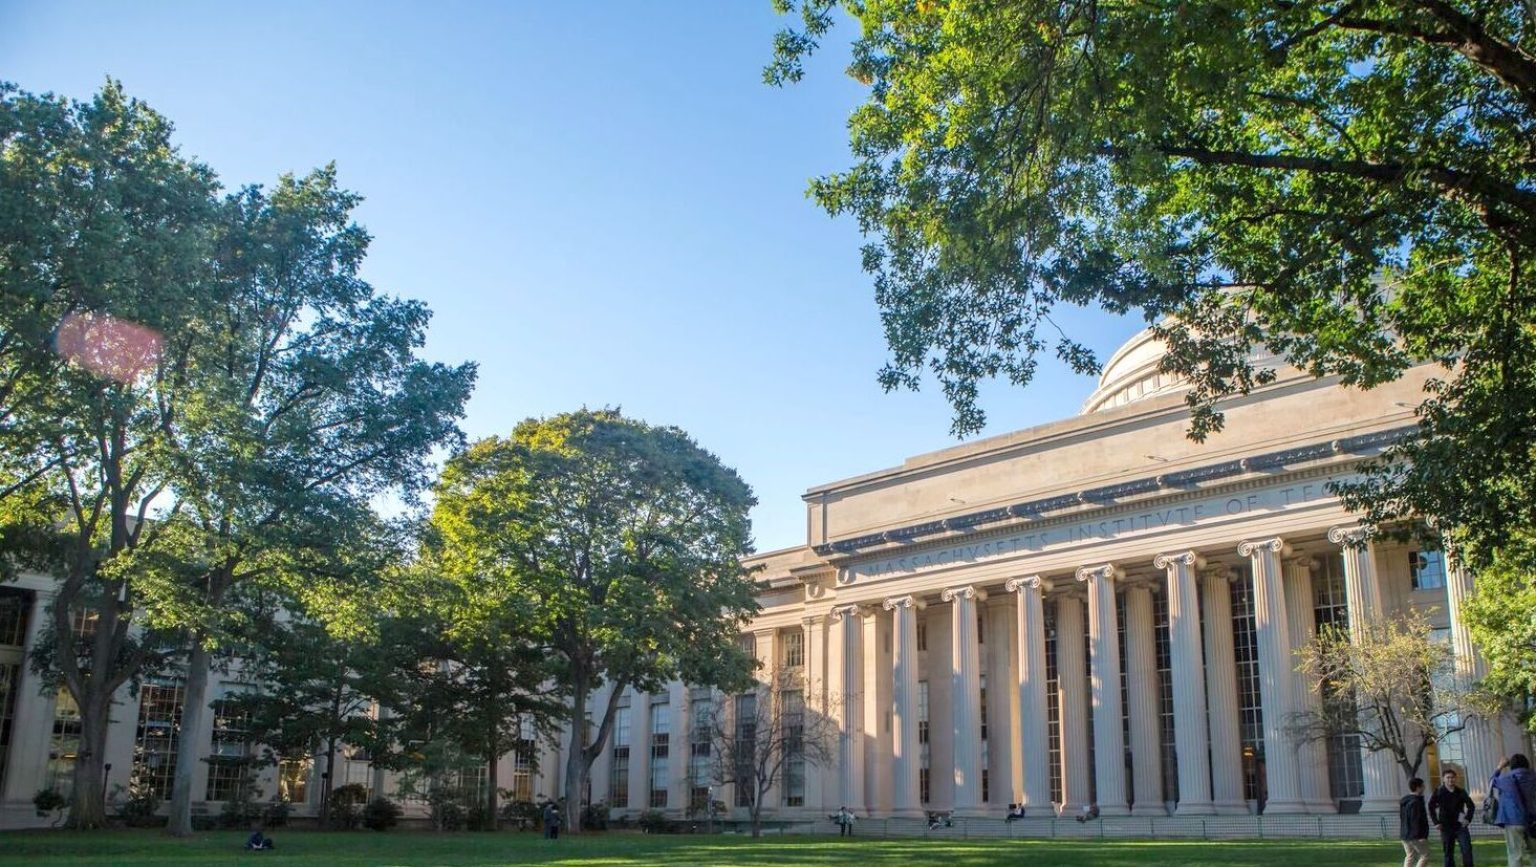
x=411 y=849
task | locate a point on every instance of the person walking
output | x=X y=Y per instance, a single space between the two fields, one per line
x=1413 y=825
x=551 y=821
x=1451 y=810
x=844 y=822
x=1514 y=788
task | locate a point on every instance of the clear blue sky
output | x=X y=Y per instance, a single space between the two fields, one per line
x=601 y=202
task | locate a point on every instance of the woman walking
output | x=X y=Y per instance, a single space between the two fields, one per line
x=1514 y=787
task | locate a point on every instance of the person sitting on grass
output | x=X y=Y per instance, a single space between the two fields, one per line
x=1089 y=813
x=259 y=842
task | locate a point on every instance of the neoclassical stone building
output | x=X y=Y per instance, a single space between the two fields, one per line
x=1096 y=610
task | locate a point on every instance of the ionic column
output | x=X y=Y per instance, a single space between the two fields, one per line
x=1273 y=636
x=1191 y=735
x=1145 y=694
x=877 y=706
x=1005 y=780
x=815 y=703
x=1108 y=714
x=1480 y=741
x=906 y=798
x=1221 y=694
x=1034 y=711
x=1072 y=681
x=1363 y=596
x=1312 y=757
x=965 y=675
x=848 y=676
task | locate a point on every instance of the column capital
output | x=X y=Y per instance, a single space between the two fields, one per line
x=1106 y=571
x=851 y=610
x=1302 y=561
x=908 y=601
x=1182 y=558
x=1028 y=582
x=1276 y=545
x=950 y=594
x=1350 y=537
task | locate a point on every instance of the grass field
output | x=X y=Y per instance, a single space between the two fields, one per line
x=420 y=849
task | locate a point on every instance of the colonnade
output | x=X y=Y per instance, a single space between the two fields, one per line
x=878 y=756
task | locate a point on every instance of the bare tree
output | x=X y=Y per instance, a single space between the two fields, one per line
x=1391 y=684
x=766 y=738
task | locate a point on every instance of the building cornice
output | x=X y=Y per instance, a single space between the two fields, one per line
x=1059 y=506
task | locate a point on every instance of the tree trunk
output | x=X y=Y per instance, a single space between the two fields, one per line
x=757 y=815
x=492 y=794
x=194 y=710
x=328 y=782
x=577 y=764
x=88 y=803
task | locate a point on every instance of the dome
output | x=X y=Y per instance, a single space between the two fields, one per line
x=1133 y=373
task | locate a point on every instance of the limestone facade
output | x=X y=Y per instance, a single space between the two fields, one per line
x=1092 y=611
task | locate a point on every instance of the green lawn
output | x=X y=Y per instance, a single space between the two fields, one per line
x=420 y=849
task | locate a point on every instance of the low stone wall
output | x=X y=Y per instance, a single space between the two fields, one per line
x=1367 y=827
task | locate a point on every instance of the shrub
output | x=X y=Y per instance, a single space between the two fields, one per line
x=48 y=800
x=655 y=822
x=344 y=809
x=478 y=818
x=276 y=814
x=522 y=815
x=139 y=811
x=594 y=817
x=381 y=814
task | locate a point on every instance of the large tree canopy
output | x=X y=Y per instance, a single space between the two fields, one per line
x=1350 y=184
x=621 y=545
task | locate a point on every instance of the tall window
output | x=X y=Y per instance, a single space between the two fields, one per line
x=230 y=761
x=618 y=778
x=1053 y=703
x=701 y=709
x=986 y=751
x=1170 y=751
x=293 y=779
x=661 y=751
x=14 y=606
x=923 y=776
x=1427 y=569
x=792 y=716
x=523 y=753
x=793 y=643
x=154 y=753
x=922 y=635
x=746 y=747
x=64 y=747
x=1346 y=772
x=1249 y=706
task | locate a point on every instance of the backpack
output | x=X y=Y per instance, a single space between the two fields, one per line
x=1491 y=807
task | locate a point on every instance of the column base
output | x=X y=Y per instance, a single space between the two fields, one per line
x=978 y=813
x=1378 y=805
x=1194 y=808
x=1278 y=807
x=1323 y=808
x=1231 y=808
x=908 y=813
x=1157 y=809
x=1114 y=810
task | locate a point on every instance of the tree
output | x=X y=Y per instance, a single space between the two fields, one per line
x=1499 y=616
x=469 y=677
x=621 y=543
x=306 y=401
x=1392 y=686
x=105 y=232
x=1346 y=183
x=311 y=688
x=767 y=737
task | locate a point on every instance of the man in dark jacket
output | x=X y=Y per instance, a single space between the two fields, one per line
x=1413 y=825
x=1451 y=810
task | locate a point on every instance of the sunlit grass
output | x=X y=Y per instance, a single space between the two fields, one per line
x=421 y=849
